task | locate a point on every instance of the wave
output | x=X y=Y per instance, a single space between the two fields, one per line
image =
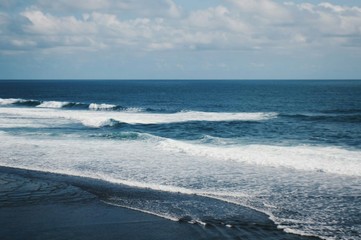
x=52 y=104
x=76 y=105
x=306 y=158
x=103 y=106
x=311 y=158
x=9 y=101
x=137 y=109
x=19 y=101
x=62 y=104
x=99 y=119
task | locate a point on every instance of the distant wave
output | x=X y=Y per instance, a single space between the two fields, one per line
x=19 y=101
x=75 y=105
x=69 y=105
x=99 y=119
x=103 y=106
x=52 y=104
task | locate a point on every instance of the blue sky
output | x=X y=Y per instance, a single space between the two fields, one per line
x=174 y=39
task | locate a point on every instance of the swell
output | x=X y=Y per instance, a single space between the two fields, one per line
x=69 y=105
x=99 y=119
x=333 y=115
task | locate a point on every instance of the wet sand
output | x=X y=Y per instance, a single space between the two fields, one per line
x=42 y=209
x=35 y=207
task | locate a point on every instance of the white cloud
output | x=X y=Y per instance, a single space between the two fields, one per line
x=219 y=17
x=46 y=24
x=142 y=8
x=331 y=20
x=83 y=5
x=338 y=8
x=267 y=10
x=163 y=25
x=3 y=22
x=174 y=10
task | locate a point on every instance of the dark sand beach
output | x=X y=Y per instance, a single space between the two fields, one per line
x=37 y=205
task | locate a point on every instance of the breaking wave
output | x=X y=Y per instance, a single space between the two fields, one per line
x=65 y=105
x=99 y=119
x=52 y=104
x=304 y=157
x=103 y=106
x=19 y=101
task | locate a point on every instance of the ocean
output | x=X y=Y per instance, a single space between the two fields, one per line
x=220 y=153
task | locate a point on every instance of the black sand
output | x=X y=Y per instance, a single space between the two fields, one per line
x=34 y=207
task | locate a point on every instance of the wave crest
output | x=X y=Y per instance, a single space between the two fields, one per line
x=102 y=106
x=18 y=101
x=110 y=118
x=53 y=104
x=307 y=158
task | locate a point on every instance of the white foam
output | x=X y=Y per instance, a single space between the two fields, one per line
x=52 y=104
x=222 y=116
x=98 y=119
x=103 y=106
x=308 y=158
x=9 y=101
x=169 y=165
x=301 y=233
x=134 y=109
x=145 y=211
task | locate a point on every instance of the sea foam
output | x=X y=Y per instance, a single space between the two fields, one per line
x=100 y=119
x=52 y=104
x=307 y=158
x=103 y=106
x=178 y=166
x=9 y=101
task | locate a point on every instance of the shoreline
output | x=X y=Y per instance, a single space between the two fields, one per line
x=37 y=205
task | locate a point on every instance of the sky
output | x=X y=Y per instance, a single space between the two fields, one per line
x=175 y=39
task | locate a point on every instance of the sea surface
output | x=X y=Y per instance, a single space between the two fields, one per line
x=287 y=149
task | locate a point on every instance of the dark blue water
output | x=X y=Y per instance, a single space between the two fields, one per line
x=312 y=112
x=290 y=149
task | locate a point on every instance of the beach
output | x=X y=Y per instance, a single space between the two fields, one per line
x=35 y=205
x=33 y=208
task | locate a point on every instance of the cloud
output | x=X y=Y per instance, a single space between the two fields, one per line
x=141 y=8
x=79 y=5
x=95 y=25
x=326 y=21
x=266 y=10
x=3 y=21
x=46 y=24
